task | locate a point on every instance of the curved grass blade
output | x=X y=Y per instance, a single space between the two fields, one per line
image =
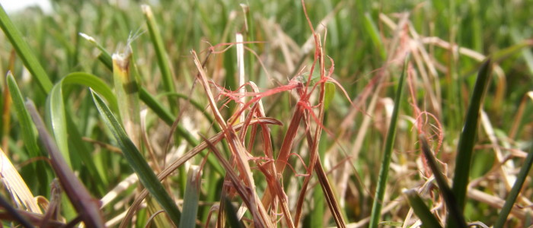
x=56 y=119
x=468 y=135
x=63 y=127
x=136 y=161
x=421 y=210
x=513 y=195
x=385 y=162
x=87 y=207
x=95 y=83
x=24 y=51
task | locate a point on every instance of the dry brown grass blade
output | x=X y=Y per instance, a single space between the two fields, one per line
x=237 y=148
x=375 y=85
x=519 y=114
x=239 y=186
x=496 y=202
x=330 y=196
x=121 y=187
x=507 y=167
x=16 y=186
x=314 y=140
x=174 y=126
x=284 y=153
x=269 y=168
x=180 y=161
x=87 y=206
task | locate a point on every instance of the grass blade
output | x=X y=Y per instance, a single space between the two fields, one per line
x=385 y=162
x=191 y=197
x=28 y=132
x=127 y=90
x=454 y=210
x=231 y=214
x=56 y=119
x=157 y=107
x=421 y=210
x=159 y=47
x=95 y=83
x=137 y=162
x=372 y=30
x=468 y=135
x=83 y=202
x=16 y=186
x=513 y=195
x=24 y=51
x=63 y=127
x=149 y=100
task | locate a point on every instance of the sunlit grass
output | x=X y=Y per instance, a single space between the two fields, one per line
x=299 y=142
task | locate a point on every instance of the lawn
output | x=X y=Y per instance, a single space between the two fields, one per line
x=267 y=114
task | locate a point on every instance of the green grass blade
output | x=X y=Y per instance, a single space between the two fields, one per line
x=385 y=163
x=104 y=56
x=149 y=100
x=468 y=135
x=513 y=195
x=199 y=107
x=153 y=104
x=421 y=209
x=164 y=114
x=191 y=198
x=372 y=30
x=231 y=214
x=162 y=57
x=454 y=210
x=63 y=127
x=56 y=119
x=28 y=132
x=526 y=53
x=24 y=51
x=95 y=83
x=137 y=162
x=156 y=106
x=29 y=136
x=104 y=53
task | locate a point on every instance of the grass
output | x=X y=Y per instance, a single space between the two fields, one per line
x=299 y=125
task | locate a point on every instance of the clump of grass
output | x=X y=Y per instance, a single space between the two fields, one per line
x=286 y=129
